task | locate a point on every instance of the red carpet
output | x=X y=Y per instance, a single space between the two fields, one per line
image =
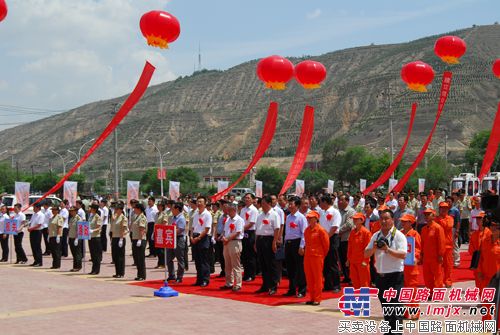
x=246 y=294
x=247 y=291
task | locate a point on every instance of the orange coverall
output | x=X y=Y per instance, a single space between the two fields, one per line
x=374 y=226
x=433 y=246
x=489 y=264
x=359 y=266
x=411 y=272
x=447 y=224
x=476 y=239
x=317 y=245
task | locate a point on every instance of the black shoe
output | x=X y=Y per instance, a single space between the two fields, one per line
x=17 y=262
x=3 y=260
x=32 y=264
x=309 y=302
x=249 y=279
x=160 y=267
x=221 y=275
x=204 y=284
x=46 y=253
x=150 y=256
x=53 y=267
x=225 y=287
x=92 y=273
x=236 y=288
x=300 y=295
x=74 y=270
x=139 y=279
x=117 y=276
x=196 y=284
x=178 y=281
x=346 y=281
x=133 y=264
x=272 y=291
x=261 y=290
x=315 y=303
x=289 y=294
x=171 y=278
x=37 y=265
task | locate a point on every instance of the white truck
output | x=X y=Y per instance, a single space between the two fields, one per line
x=467 y=181
x=491 y=182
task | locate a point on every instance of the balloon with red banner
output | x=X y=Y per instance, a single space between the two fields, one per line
x=310 y=74
x=275 y=72
x=160 y=28
x=450 y=49
x=3 y=10
x=417 y=75
x=496 y=68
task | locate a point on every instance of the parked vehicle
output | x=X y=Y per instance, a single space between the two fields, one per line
x=491 y=182
x=29 y=212
x=467 y=181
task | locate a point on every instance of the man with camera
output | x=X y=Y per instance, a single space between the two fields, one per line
x=390 y=247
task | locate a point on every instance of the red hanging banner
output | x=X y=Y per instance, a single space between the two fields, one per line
x=305 y=140
x=445 y=89
x=127 y=106
x=492 y=148
x=387 y=173
x=265 y=141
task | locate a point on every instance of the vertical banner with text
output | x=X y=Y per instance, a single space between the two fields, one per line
x=258 y=189
x=330 y=186
x=22 y=191
x=299 y=187
x=70 y=191
x=421 y=185
x=362 y=185
x=174 y=190
x=392 y=184
x=132 y=191
x=222 y=185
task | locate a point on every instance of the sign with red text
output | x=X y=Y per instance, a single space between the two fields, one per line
x=165 y=236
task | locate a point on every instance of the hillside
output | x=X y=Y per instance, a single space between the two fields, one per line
x=220 y=113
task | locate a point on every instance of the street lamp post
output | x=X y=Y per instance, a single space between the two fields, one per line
x=62 y=158
x=161 y=164
x=78 y=157
x=475 y=169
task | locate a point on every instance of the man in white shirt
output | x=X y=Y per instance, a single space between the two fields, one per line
x=151 y=216
x=233 y=235
x=105 y=219
x=392 y=203
x=200 y=242
x=266 y=244
x=35 y=230
x=65 y=215
x=4 y=238
x=18 y=239
x=248 y=256
x=390 y=247
x=47 y=215
x=330 y=220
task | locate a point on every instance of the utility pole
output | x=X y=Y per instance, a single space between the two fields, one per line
x=446 y=145
x=390 y=119
x=115 y=133
x=211 y=171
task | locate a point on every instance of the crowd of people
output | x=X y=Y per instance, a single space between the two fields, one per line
x=317 y=241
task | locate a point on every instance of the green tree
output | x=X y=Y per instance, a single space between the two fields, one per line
x=437 y=175
x=100 y=186
x=272 y=179
x=7 y=178
x=477 y=148
x=244 y=183
x=188 y=178
x=150 y=182
x=314 y=181
x=44 y=182
x=80 y=179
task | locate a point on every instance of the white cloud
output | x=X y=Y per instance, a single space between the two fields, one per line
x=314 y=14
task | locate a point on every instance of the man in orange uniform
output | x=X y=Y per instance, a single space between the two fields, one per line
x=359 y=266
x=477 y=238
x=411 y=271
x=433 y=249
x=317 y=246
x=446 y=221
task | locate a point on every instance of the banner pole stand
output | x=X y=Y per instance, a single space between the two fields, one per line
x=166 y=291
x=11 y=251
x=84 y=258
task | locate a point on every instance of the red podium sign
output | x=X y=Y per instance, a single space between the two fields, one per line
x=165 y=237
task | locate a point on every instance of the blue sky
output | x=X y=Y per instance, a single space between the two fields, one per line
x=60 y=54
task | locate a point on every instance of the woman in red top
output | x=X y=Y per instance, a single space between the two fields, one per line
x=359 y=265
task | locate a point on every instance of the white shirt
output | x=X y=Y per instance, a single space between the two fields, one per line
x=37 y=219
x=20 y=217
x=233 y=225
x=281 y=214
x=249 y=214
x=81 y=213
x=151 y=213
x=473 y=224
x=47 y=213
x=392 y=203
x=385 y=263
x=65 y=215
x=267 y=223
x=330 y=218
x=201 y=221
x=105 y=215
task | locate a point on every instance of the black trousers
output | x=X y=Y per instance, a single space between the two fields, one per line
x=201 y=260
x=179 y=254
x=18 y=246
x=343 y=259
x=104 y=238
x=219 y=255
x=384 y=282
x=149 y=233
x=4 y=242
x=160 y=253
x=248 y=255
x=266 y=257
x=95 y=247
x=36 y=246
x=45 y=233
x=211 y=254
x=77 y=252
x=464 y=231
x=331 y=270
x=139 y=254
x=118 y=256
x=295 y=267
x=55 y=251
x=64 y=242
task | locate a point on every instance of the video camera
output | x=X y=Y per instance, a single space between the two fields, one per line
x=381 y=242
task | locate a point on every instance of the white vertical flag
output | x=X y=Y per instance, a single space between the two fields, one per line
x=392 y=184
x=258 y=189
x=132 y=191
x=421 y=185
x=70 y=191
x=174 y=190
x=22 y=191
x=299 y=187
x=222 y=185
x=362 y=185
x=331 y=183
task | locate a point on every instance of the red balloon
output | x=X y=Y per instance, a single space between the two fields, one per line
x=3 y=10
x=275 y=71
x=450 y=49
x=160 y=28
x=496 y=68
x=417 y=75
x=310 y=74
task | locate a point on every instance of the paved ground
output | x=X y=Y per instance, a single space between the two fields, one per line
x=43 y=301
